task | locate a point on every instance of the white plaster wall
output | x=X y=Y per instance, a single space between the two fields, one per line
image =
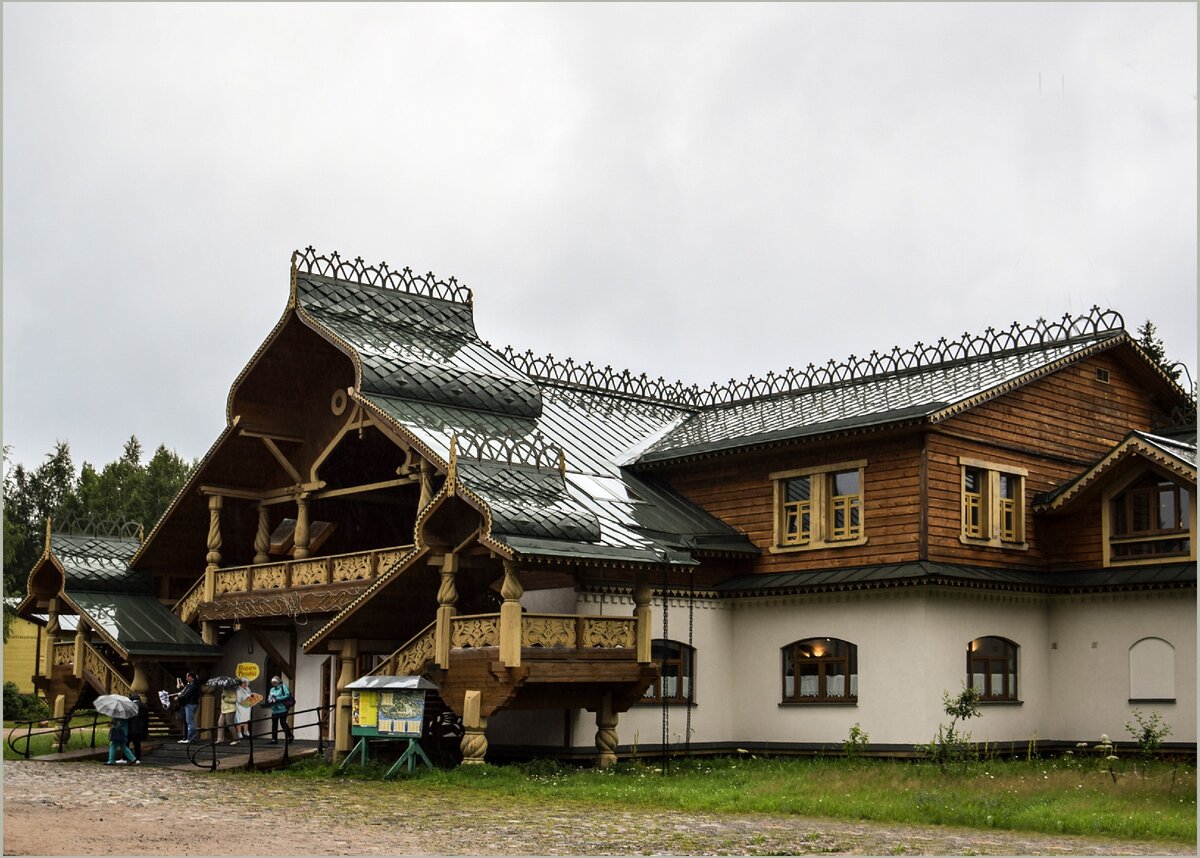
x=560 y=600
x=306 y=685
x=1089 y=668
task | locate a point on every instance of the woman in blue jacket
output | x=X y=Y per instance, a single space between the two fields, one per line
x=278 y=699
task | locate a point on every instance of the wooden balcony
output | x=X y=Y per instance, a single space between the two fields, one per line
x=567 y=661
x=312 y=585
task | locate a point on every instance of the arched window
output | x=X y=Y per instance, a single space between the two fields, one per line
x=677 y=670
x=992 y=668
x=1152 y=671
x=820 y=670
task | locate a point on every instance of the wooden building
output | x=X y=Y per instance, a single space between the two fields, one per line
x=585 y=561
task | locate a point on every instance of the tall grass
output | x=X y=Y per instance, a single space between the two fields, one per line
x=42 y=739
x=1157 y=802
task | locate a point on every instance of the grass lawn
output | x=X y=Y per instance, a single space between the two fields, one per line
x=1070 y=796
x=43 y=737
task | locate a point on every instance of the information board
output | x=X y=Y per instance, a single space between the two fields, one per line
x=387 y=713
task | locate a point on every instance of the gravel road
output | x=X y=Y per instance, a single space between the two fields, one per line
x=92 y=809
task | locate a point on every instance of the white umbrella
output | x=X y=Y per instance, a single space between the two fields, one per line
x=115 y=705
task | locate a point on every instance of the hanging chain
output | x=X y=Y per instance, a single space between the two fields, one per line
x=662 y=685
x=691 y=665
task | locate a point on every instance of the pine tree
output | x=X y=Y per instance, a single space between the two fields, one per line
x=1153 y=346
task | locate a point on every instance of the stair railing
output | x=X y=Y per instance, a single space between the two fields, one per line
x=63 y=727
x=207 y=750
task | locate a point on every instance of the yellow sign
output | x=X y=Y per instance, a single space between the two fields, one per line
x=247 y=670
x=365 y=712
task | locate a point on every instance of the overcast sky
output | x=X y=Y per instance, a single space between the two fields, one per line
x=699 y=191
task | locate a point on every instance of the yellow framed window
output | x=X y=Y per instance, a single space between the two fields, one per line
x=974 y=481
x=845 y=505
x=797 y=511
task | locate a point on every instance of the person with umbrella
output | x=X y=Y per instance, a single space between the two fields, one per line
x=119 y=709
x=189 y=699
x=225 y=724
x=139 y=725
x=245 y=699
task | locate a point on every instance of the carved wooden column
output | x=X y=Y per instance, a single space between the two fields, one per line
x=208 y=630
x=447 y=597
x=262 y=538
x=641 y=616
x=81 y=636
x=206 y=713
x=474 y=740
x=510 y=617
x=301 y=538
x=51 y=635
x=606 y=734
x=141 y=682
x=63 y=737
x=346 y=659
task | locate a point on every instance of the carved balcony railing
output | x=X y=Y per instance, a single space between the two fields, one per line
x=311 y=572
x=104 y=676
x=476 y=631
x=410 y=659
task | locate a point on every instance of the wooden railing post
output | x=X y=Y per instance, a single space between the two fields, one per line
x=81 y=636
x=642 y=617
x=51 y=634
x=447 y=597
x=510 y=616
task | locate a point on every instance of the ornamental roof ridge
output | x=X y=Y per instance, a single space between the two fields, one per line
x=357 y=271
x=97 y=527
x=535 y=451
x=969 y=348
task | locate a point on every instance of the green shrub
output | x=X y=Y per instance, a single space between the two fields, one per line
x=1148 y=732
x=950 y=744
x=23 y=707
x=857 y=741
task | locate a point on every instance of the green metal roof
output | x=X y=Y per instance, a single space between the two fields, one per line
x=98 y=563
x=926 y=572
x=141 y=625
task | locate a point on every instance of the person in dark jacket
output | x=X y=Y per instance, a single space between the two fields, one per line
x=139 y=726
x=189 y=699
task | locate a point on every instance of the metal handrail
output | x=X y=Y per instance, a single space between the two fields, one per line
x=209 y=747
x=62 y=728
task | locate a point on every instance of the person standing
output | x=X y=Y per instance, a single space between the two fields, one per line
x=242 y=713
x=189 y=699
x=118 y=735
x=225 y=724
x=139 y=726
x=279 y=698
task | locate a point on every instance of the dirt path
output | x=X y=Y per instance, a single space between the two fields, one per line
x=91 y=809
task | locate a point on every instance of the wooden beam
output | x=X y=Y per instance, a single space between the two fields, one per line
x=282 y=459
x=233 y=492
x=274 y=436
x=265 y=643
x=368 y=487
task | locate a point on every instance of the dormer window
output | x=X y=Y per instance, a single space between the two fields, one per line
x=819 y=507
x=1149 y=519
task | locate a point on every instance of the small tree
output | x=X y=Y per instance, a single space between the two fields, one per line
x=950 y=744
x=1148 y=731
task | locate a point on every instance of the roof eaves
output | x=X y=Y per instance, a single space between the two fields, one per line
x=1134 y=444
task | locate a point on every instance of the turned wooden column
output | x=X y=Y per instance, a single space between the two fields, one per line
x=141 y=682
x=510 y=617
x=51 y=635
x=301 y=538
x=447 y=598
x=346 y=659
x=208 y=630
x=606 y=734
x=642 y=617
x=474 y=740
x=262 y=537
